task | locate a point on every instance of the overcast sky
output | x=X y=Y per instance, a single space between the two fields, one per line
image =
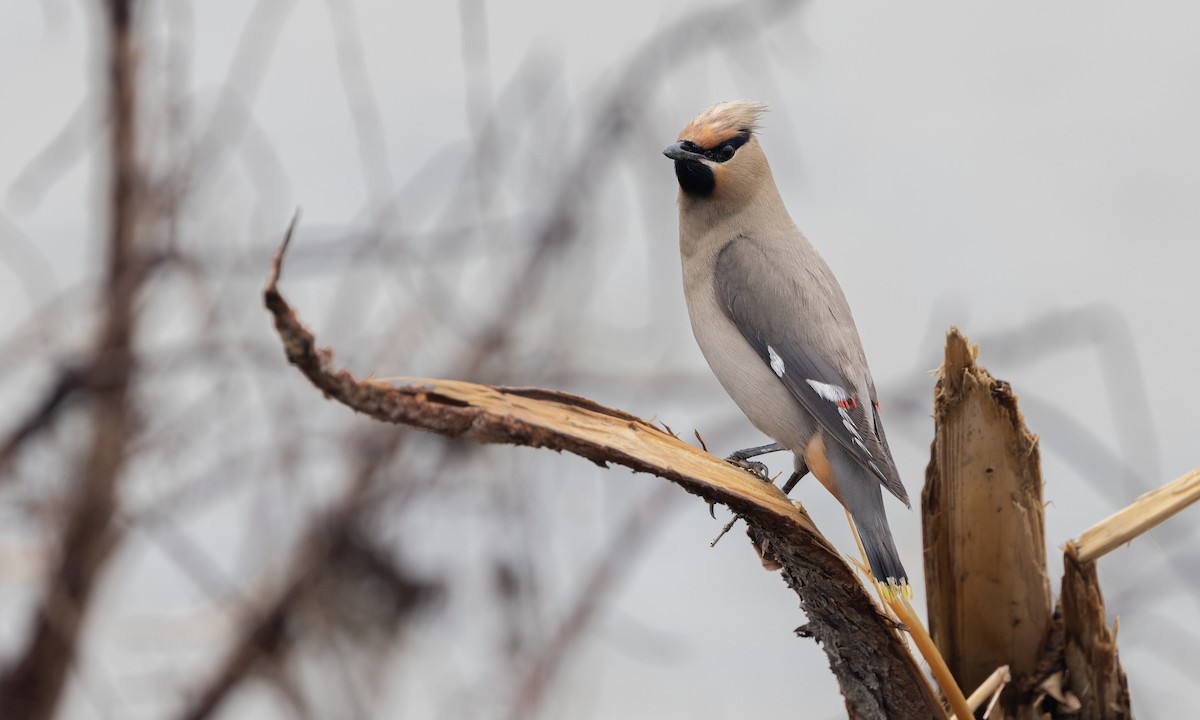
x=994 y=167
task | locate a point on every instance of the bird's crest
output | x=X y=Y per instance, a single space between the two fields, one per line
x=722 y=122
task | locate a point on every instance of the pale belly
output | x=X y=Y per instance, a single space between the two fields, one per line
x=748 y=380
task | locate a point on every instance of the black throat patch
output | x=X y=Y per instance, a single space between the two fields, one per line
x=695 y=178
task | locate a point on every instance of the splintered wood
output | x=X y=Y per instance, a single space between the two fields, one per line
x=1094 y=671
x=985 y=557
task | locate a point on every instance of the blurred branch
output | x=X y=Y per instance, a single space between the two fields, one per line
x=333 y=557
x=54 y=160
x=106 y=370
x=549 y=661
x=364 y=109
x=32 y=687
x=877 y=675
x=69 y=380
x=232 y=117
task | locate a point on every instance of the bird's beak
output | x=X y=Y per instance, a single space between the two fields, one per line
x=676 y=152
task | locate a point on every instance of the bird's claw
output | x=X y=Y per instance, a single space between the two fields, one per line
x=752 y=466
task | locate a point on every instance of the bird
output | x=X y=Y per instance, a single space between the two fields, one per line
x=775 y=327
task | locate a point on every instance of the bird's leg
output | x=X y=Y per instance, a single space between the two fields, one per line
x=741 y=458
x=753 y=452
x=797 y=475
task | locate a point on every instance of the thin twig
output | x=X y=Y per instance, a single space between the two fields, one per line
x=725 y=530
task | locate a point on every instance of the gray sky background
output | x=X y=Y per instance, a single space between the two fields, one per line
x=1027 y=171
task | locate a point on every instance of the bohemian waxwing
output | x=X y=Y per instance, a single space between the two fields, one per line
x=775 y=327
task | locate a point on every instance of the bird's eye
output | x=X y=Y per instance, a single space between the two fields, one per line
x=726 y=152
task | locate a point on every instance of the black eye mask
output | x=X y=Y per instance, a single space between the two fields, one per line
x=723 y=151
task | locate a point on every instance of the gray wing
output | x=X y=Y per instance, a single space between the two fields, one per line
x=795 y=317
x=903 y=495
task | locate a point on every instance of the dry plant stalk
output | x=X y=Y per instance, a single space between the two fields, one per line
x=988 y=591
x=1150 y=509
x=928 y=650
x=878 y=677
x=990 y=689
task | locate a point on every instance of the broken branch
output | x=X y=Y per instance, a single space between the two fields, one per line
x=877 y=675
x=1142 y=516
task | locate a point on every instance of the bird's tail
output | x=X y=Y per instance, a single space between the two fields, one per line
x=862 y=495
x=881 y=553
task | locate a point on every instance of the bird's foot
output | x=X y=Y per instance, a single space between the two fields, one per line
x=751 y=466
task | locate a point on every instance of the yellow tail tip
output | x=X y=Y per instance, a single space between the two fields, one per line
x=894 y=590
